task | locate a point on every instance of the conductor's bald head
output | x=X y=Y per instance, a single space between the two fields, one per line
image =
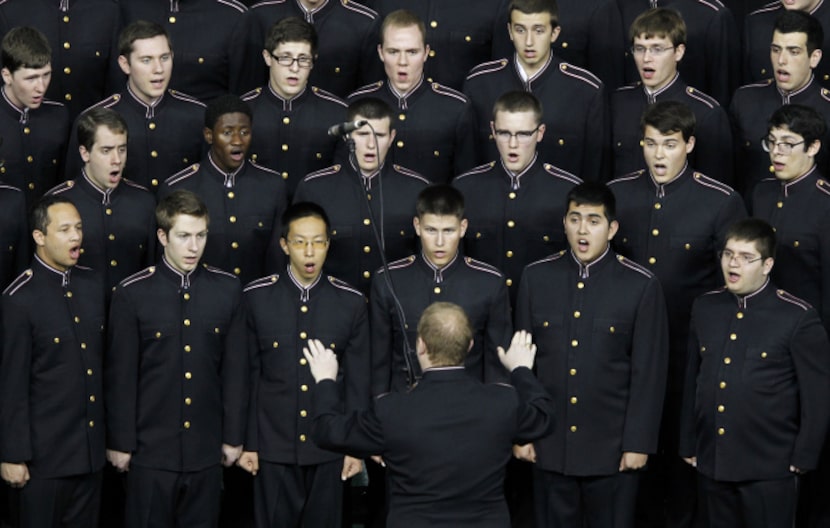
x=444 y=335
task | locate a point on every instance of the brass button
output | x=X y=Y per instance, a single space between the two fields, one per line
x=733 y=337
x=154 y=182
x=512 y=196
x=188 y=375
x=302 y=438
x=275 y=344
x=27 y=130
x=303 y=335
x=232 y=219
x=92 y=423
x=231 y=195
x=739 y=315
x=201 y=60
x=657 y=206
x=151 y=126
x=113 y=263
x=574 y=343
x=66 y=19
x=577 y=314
x=68 y=97
x=432 y=53
x=111 y=237
x=573 y=428
x=655 y=232
x=77 y=319
x=727 y=360
x=511 y=223
x=57 y=340
x=30 y=159
x=509 y=254
x=66 y=45
x=722 y=385
x=763 y=355
x=284 y=175
x=780 y=204
x=304 y=388
x=235 y=245
x=509 y=282
x=187 y=348
x=69 y=294
x=186 y=296
x=437 y=289
x=366 y=274
x=580 y=285
x=284 y=147
x=108 y=211
x=154 y=154
x=304 y=308
x=172 y=20
x=572 y=372
x=573 y=400
x=303 y=361
x=433 y=24
x=721 y=408
x=92 y=398
x=399 y=144
x=158 y=335
x=366 y=221
x=187 y=425
x=303 y=413
x=721 y=431
x=67 y=70
x=83 y=346
x=187 y=322
x=402 y=117
x=188 y=401
x=286 y=120
x=367 y=249
x=652 y=260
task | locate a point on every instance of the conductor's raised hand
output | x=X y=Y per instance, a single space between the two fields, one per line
x=521 y=353
x=321 y=360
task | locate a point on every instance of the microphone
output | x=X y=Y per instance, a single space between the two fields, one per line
x=341 y=129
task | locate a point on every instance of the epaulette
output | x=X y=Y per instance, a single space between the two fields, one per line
x=713 y=292
x=359 y=8
x=708 y=100
x=328 y=171
x=263 y=282
x=343 y=285
x=182 y=174
x=366 y=89
x=112 y=100
x=146 y=273
x=410 y=173
x=80 y=267
x=714 y=5
x=706 y=181
x=477 y=170
x=772 y=6
x=61 y=188
x=627 y=177
x=825 y=94
x=628 y=87
x=634 y=266
x=759 y=84
x=581 y=74
x=440 y=89
x=823 y=186
x=398 y=264
x=323 y=94
x=17 y=283
x=219 y=271
x=131 y=183
x=175 y=94
x=9 y=187
x=792 y=299
x=253 y=94
x=549 y=258
x=263 y=168
x=53 y=103
x=266 y=3
x=488 y=67
x=553 y=170
x=239 y=6
x=482 y=266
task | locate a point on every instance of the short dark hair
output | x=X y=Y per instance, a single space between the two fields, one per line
x=370 y=108
x=754 y=230
x=96 y=117
x=593 y=193
x=291 y=29
x=657 y=23
x=402 y=18
x=25 y=47
x=801 y=22
x=669 y=117
x=440 y=199
x=139 y=30
x=445 y=330
x=225 y=104
x=303 y=210
x=39 y=216
x=177 y=203
x=803 y=120
x=531 y=7
x=518 y=101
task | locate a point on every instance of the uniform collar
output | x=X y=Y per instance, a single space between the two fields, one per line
x=585 y=270
x=149 y=110
x=182 y=279
x=305 y=291
x=672 y=85
x=438 y=274
x=228 y=178
x=94 y=191
x=661 y=189
x=287 y=104
x=757 y=295
x=403 y=99
x=309 y=14
x=444 y=373
x=367 y=180
x=788 y=187
x=786 y=97
x=515 y=177
x=22 y=115
x=520 y=71
x=64 y=6
x=63 y=276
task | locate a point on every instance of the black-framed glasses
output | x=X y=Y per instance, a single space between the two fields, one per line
x=285 y=60
x=784 y=147
x=522 y=136
x=655 y=51
x=741 y=258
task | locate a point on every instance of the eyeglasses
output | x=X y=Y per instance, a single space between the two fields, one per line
x=522 y=136
x=285 y=60
x=299 y=243
x=741 y=258
x=655 y=51
x=784 y=147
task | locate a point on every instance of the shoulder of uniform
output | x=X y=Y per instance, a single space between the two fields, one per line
x=630 y=264
x=359 y=8
x=476 y=170
x=239 y=6
x=345 y=286
x=714 y=5
x=182 y=175
x=9 y=187
x=410 y=173
x=627 y=177
x=61 y=187
x=696 y=94
x=440 y=89
x=825 y=94
x=108 y=102
x=221 y=272
x=252 y=94
x=175 y=94
x=562 y=174
x=550 y=258
x=267 y=3
x=746 y=89
x=134 y=185
x=772 y=6
x=628 y=87
x=706 y=181
x=488 y=67
x=263 y=168
x=366 y=89
x=262 y=282
x=18 y=283
x=580 y=74
x=52 y=103
x=714 y=292
x=399 y=264
x=482 y=266
x=328 y=171
x=823 y=186
x=792 y=299
x=146 y=273
x=323 y=94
